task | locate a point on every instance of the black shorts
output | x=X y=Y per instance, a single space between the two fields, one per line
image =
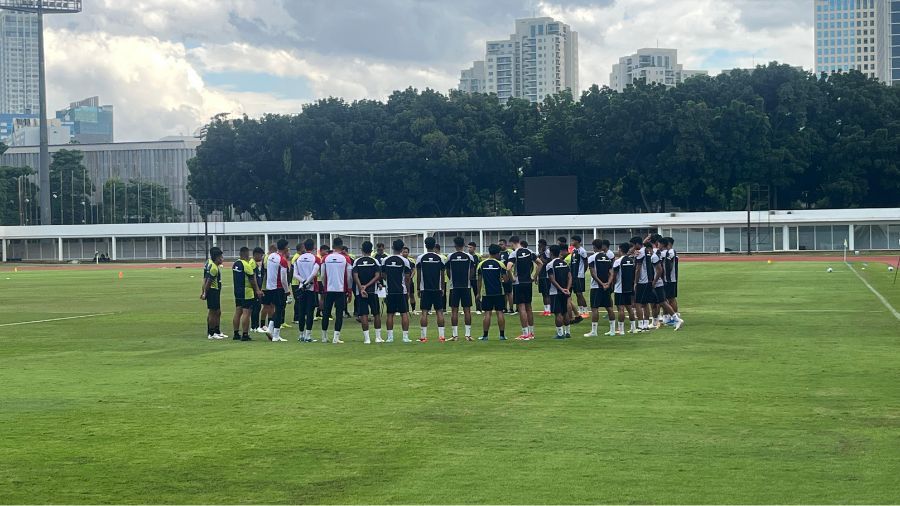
x=671 y=290
x=522 y=293
x=507 y=287
x=544 y=286
x=577 y=285
x=559 y=303
x=244 y=303
x=493 y=303
x=600 y=297
x=369 y=305
x=460 y=297
x=213 y=299
x=624 y=299
x=396 y=303
x=271 y=297
x=659 y=293
x=431 y=299
x=644 y=294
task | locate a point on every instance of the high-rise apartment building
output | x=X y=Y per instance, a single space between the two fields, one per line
x=650 y=65
x=471 y=80
x=538 y=60
x=90 y=122
x=18 y=63
x=861 y=35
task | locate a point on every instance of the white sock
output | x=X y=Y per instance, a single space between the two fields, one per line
x=424 y=331
x=366 y=335
x=405 y=334
x=593 y=327
x=621 y=326
x=271 y=326
x=391 y=335
x=440 y=332
x=276 y=333
x=531 y=330
x=633 y=325
x=524 y=331
x=455 y=330
x=377 y=333
x=337 y=336
x=612 y=326
x=566 y=329
x=546 y=308
x=559 y=331
x=324 y=335
x=468 y=331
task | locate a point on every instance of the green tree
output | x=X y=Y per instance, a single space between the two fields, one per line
x=70 y=188
x=14 y=187
x=137 y=202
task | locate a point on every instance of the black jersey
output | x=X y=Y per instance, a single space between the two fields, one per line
x=394 y=270
x=459 y=269
x=545 y=258
x=366 y=268
x=430 y=272
x=491 y=272
x=523 y=260
x=671 y=266
x=559 y=269
x=624 y=269
x=602 y=263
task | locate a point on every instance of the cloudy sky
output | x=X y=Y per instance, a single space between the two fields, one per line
x=169 y=65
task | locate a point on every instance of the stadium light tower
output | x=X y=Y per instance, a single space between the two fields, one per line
x=41 y=7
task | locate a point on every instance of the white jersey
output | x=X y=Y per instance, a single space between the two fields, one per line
x=276 y=272
x=593 y=258
x=654 y=260
x=305 y=269
x=337 y=269
x=640 y=260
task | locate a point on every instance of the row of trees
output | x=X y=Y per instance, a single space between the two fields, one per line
x=73 y=196
x=816 y=141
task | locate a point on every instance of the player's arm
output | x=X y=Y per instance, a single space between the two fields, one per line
x=285 y=283
x=552 y=277
x=594 y=276
x=612 y=278
x=254 y=284
x=638 y=265
x=206 y=282
x=659 y=273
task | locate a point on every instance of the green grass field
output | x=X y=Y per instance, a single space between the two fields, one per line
x=782 y=388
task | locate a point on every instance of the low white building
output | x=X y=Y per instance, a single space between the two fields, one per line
x=651 y=65
x=27 y=132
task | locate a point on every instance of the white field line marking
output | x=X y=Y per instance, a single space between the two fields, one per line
x=880 y=297
x=54 y=319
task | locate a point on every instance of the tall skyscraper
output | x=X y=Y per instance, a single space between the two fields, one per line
x=538 y=60
x=90 y=122
x=651 y=65
x=18 y=63
x=471 y=80
x=861 y=35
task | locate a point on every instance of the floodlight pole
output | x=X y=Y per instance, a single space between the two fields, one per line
x=44 y=155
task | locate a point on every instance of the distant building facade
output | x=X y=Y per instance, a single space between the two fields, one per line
x=650 y=65
x=861 y=35
x=538 y=60
x=471 y=80
x=18 y=63
x=27 y=132
x=90 y=122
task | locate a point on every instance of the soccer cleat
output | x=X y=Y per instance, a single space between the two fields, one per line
x=407 y=340
x=578 y=319
x=591 y=334
x=378 y=340
x=477 y=312
x=442 y=340
x=237 y=337
x=279 y=339
x=585 y=315
x=337 y=341
x=454 y=338
x=423 y=339
x=285 y=326
x=469 y=338
x=679 y=324
x=546 y=313
x=523 y=337
x=483 y=338
x=246 y=338
x=620 y=332
x=324 y=339
x=210 y=337
x=503 y=338
x=390 y=340
x=568 y=336
x=557 y=336
x=611 y=333
x=367 y=342
x=301 y=339
x=635 y=331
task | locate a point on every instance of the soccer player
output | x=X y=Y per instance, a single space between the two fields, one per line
x=411 y=292
x=306 y=270
x=336 y=272
x=324 y=251
x=346 y=252
x=432 y=285
x=643 y=293
x=245 y=293
x=295 y=283
x=505 y=252
x=396 y=272
x=211 y=293
x=600 y=266
x=520 y=267
x=623 y=281
x=366 y=275
x=560 y=277
x=491 y=275
x=460 y=270
x=276 y=290
x=671 y=269
x=258 y=269
x=659 y=291
x=473 y=251
x=577 y=265
x=543 y=282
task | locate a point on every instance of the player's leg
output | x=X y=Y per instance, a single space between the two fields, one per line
x=254 y=314
x=486 y=321
x=245 y=321
x=439 y=316
x=236 y=319
x=326 y=314
x=340 y=305
x=295 y=290
x=425 y=305
x=501 y=323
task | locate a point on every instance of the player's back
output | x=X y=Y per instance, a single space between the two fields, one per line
x=459 y=266
x=523 y=261
x=366 y=268
x=491 y=271
x=335 y=267
x=394 y=269
x=430 y=268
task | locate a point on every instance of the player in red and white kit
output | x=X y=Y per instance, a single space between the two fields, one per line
x=277 y=289
x=306 y=270
x=336 y=274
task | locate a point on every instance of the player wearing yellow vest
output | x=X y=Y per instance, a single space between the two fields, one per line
x=246 y=290
x=211 y=293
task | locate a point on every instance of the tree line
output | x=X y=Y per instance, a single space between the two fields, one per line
x=813 y=141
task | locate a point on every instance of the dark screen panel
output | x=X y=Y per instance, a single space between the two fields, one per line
x=551 y=195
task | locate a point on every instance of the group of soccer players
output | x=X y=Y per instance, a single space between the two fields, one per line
x=637 y=280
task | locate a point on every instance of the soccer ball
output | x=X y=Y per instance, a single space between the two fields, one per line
x=890 y=268
x=829 y=269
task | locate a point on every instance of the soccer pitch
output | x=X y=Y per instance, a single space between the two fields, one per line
x=781 y=388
